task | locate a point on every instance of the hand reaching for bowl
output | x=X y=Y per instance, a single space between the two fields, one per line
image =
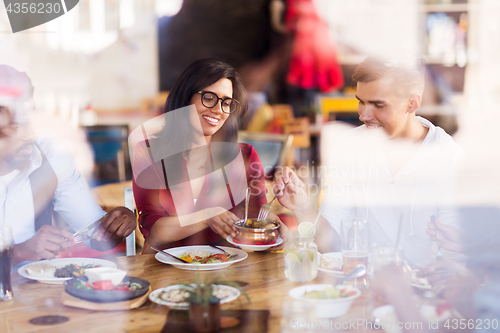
x=223 y=224
x=283 y=230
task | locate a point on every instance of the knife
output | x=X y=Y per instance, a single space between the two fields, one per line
x=168 y=254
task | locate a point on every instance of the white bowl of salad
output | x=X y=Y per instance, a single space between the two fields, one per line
x=328 y=301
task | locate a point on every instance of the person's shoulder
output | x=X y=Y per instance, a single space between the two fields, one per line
x=46 y=138
x=50 y=144
x=444 y=140
x=57 y=153
x=247 y=150
x=441 y=145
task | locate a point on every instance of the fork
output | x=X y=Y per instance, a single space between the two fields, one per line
x=81 y=237
x=266 y=208
x=439 y=255
x=78 y=239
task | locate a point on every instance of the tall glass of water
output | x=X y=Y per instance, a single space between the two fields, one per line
x=6 y=253
x=355 y=250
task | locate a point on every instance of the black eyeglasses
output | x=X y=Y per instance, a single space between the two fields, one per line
x=210 y=99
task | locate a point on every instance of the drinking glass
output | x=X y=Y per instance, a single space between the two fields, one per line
x=301 y=261
x=6 y=253
x=355 y=250
x=383 y=256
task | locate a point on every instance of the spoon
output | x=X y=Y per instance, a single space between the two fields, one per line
x=247 y=200
x=357 y=272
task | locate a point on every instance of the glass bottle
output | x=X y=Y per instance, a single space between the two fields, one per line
x=301 y=259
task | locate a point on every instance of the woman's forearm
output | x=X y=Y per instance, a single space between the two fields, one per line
x=174 y=228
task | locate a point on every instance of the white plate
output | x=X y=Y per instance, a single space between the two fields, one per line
x=331 y=272
x=386 y=316
x=248 y=247
x=415 y=283
x=154 y=297
x=58 y=263
x=178 y=251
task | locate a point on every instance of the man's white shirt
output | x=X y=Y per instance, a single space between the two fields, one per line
x=361 y=185
x=72 y=199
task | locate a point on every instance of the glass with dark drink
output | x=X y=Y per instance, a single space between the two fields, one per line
x=6 y=253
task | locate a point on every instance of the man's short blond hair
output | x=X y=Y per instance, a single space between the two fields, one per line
x=407 y=78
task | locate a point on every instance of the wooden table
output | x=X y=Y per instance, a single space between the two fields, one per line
x=264 y=272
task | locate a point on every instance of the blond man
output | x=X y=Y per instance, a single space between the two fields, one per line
x=395 y=167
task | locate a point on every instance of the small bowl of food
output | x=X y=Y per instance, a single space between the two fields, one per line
x=103 y=291
x=253 y=232
x=329 y=301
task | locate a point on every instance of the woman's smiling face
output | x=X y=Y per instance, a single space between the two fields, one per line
x=212 y=119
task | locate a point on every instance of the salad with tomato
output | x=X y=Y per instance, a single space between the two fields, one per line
x=107 y=285
x=203 y=257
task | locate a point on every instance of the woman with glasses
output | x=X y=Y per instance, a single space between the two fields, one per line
x=190 y=178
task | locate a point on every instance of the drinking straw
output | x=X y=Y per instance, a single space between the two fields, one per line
x=320 y=212
x=399 y=230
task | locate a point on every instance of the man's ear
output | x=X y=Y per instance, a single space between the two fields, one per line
x=414 y=103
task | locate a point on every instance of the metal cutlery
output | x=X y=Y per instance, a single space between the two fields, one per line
x=358 y=271
x=439 y=255
x=81 y=238
x=171 y=255
x=228 y=255
x=81 y=235
x=247 y=200
x=266 y=208
x=87 y=228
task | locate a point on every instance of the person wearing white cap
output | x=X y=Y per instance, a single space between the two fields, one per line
x=39 y=180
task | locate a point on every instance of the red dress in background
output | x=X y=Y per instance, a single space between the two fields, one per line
x=314 y=58
x=153 y=204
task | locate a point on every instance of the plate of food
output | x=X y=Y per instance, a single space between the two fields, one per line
x=105 y=291
x=176 y=296
x=332 y=264
x=57 y=271
x=254 y=247
x=419 y=282
x=201 y=257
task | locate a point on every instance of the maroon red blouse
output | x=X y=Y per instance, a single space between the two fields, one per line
x=156 y=198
